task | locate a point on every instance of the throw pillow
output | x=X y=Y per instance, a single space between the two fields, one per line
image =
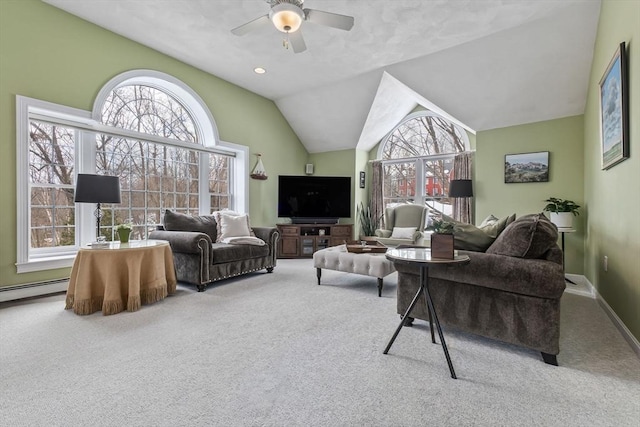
x=403 y=232
x=496 y=226
x=175 y=221
x=234 y=226
x=243 y=240
x=217 y=215
x=468 y=237
x=488 y=221
x=527 y=237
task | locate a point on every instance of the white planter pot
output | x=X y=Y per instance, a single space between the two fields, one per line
x=562 y=219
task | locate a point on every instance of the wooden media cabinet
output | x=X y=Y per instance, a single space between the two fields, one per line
x=302 y=240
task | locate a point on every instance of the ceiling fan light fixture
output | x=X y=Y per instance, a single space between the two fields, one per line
x=286 y=17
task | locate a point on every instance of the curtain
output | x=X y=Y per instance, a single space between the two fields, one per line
x=462 y=170
x=377 y=203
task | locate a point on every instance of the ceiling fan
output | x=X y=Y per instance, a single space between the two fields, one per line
x=287 y=16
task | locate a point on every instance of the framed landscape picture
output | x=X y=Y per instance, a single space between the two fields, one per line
x=614 y=110
x=526 y=167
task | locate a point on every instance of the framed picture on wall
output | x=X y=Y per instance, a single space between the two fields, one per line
x=362 y=180
x=614 y=110
x=526 y=167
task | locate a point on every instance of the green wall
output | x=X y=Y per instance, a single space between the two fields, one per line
x=48 y=54
x=563 y=139
x=613 y=196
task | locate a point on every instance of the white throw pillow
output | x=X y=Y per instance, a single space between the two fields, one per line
x=218 y=217
x=403 y=232
x=233 y=226
x=244 y=241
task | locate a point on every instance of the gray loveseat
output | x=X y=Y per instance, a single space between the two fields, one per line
x=509 y=293
x=199 y=260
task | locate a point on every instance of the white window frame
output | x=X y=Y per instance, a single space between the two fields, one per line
x=420 y=196
x=87 y=124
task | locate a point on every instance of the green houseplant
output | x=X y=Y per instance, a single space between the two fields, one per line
x=124 y=231
x=368 y=224
x=442 y=239
x=561 y=211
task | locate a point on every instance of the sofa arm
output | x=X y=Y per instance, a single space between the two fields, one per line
x=269 y=234
x=186 y=242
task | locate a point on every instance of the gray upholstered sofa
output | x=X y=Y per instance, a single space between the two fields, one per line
x=199 y=260
x=509 y=293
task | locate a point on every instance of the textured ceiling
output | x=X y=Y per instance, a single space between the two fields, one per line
x=489 y=63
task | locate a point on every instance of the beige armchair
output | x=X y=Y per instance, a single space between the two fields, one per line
x=404 y=225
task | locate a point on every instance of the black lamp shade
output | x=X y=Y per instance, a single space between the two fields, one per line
x=97 y=189
x=460 y=188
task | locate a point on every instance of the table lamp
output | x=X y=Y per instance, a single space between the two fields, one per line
x=97 y=189
x=460 y=188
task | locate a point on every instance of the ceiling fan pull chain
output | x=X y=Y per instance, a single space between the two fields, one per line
x=285 y=40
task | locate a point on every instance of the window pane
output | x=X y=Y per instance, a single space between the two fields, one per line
x=399 y=182
x=148 y=110
x=51 y=179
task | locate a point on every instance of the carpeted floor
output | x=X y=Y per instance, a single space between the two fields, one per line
x=278 y=350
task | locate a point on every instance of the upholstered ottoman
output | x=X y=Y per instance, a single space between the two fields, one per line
x=337 y=258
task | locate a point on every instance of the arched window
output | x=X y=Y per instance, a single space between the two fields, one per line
x=149 y=129
x=418 y=158
x=169 y=171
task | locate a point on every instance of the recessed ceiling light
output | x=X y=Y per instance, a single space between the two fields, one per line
x=259 y=70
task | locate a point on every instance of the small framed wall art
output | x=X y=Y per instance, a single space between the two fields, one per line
x=526 y=167
x=614 y=110
x=362 y=180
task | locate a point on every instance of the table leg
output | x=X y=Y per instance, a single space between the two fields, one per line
x=318 y=274
x=380 y=283
x=432 y=310
x=433 y=337
x=404 y=320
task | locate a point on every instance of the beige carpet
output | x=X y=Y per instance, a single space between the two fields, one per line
x=278 y=350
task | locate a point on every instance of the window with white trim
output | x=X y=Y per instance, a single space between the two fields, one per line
x=149 y=129
x=418 y=158
x=156 y=176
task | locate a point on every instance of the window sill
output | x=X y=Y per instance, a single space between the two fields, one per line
x=50 y=263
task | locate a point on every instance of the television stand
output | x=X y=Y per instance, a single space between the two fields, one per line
x=302 y=240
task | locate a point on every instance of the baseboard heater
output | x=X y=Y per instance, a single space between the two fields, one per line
x=26 y=290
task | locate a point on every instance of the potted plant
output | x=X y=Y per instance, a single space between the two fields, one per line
x=124 y=230
x=368 y=224
x=442 y=239
x=561 y=211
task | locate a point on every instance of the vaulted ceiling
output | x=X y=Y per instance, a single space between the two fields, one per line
x=486 y=64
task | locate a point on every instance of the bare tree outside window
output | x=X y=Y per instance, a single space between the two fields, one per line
x=153 y=176
x=431 y=140
x=51 y=182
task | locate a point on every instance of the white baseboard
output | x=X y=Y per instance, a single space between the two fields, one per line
x=11 y=293
x=580 y=286
x=584 y=287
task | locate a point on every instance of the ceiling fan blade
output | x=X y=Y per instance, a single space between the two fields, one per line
x=334 y=20
x=251 y=25
x=297 y=42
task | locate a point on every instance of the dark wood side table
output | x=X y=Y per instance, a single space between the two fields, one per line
x=422 y=257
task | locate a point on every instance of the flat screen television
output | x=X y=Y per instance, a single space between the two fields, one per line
x=314 y=199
